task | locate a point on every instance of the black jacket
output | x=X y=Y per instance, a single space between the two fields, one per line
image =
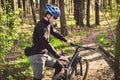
x=41 y=36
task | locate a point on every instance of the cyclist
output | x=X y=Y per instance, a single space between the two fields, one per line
x=42 y=48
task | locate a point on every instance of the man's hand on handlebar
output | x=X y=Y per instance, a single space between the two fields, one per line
x=64 y=58
x=69 y=42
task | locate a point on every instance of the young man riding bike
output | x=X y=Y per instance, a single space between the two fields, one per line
x=42 y=48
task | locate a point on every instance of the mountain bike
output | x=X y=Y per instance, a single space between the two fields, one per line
x=77 y=68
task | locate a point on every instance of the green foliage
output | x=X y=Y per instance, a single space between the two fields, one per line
x=71 y=22
x=62 y=45
x=20 y=68
x=102 y=40
x=16 y=70
x=26 y=39
x=23 y=61
x=101 y=27
x=57 y=43
x=8 y=30
x=115 y=13
x=80 y=33
x=24 y=45
x=77 y=42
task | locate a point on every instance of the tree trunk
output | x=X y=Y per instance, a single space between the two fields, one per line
x=36 y=3
x=53 y=2
x=8 y=10
x=117 y=52
x=11 y=23
x=118 y=2
x=24 y=8
x=21 y=15
x=88 y=14
x=12 y=4
x=62 y=18
x=42 y=8
x=2 y=3
x=71 y=9
x=81 y=13
x=37 y=6
x=19 y=4
x=97 y=12
x=104 y=4
x=118 y=5
x=33 y=11
x=57 y=2
x=76 y=11
x=83 y=9
x=110 y=4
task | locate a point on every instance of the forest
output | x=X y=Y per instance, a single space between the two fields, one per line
x=93 y=23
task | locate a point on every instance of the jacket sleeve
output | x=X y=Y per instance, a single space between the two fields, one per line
x=45 y=42
x=58 y=35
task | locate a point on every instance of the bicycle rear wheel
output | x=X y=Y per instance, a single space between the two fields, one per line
x=81 y=70
x=59 y=76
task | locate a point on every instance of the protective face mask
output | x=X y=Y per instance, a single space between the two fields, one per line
x=53 y=23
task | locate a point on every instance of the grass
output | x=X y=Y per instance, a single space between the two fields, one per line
x=57 y=43
x=80 y=33
x=102 y=40
x=18 y=69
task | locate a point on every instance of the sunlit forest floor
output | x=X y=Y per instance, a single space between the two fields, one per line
x=17 y=66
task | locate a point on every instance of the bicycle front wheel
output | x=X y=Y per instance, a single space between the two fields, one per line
x=81 y=70
x=59 y=76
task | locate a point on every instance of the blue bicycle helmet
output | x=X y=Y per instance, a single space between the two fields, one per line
x=53 y=10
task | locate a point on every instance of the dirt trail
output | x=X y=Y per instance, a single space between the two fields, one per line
x=100 y=66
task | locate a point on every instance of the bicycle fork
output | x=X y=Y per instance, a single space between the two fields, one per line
x=68 y=73
x=80 y=67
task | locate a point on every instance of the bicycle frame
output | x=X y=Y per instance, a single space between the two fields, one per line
x=71 y=64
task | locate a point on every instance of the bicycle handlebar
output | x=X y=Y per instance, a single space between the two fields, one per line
x=78 y=46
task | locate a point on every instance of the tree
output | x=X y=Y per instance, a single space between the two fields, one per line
x=76 y=11
x=97 y=12
x=12 y=4
x=20 y=7
x=9 y=8
x=2 y=3
x=104 y=4
x=110 y=4
x=117 y=52
x=118 y=2
x=88 y=14
x=81 y=9
x=118 y=5
x=8 y=27
x=19 y=4
x=42 y=8
x=33 y=11
x=53 y=2
x=37 y=6
x=79 y=12
x=24 y=8
x=62 y=18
